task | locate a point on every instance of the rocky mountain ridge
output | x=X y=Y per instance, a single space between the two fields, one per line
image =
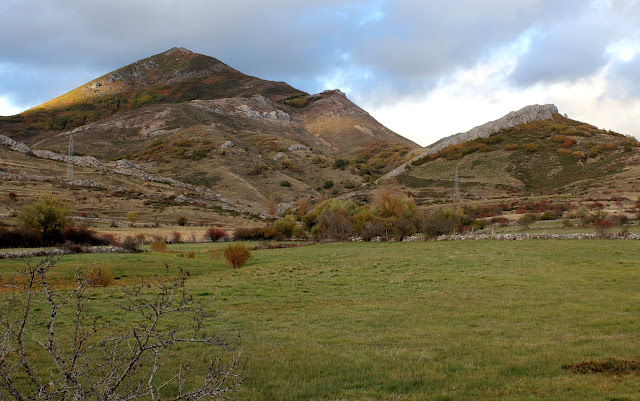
x=524 y=115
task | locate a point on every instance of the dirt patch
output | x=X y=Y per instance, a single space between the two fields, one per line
x=614 y=367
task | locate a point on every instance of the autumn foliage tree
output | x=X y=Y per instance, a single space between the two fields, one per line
x=48 y=215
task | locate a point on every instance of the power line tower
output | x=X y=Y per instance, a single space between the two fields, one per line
x=456 y=190
x=70 y=159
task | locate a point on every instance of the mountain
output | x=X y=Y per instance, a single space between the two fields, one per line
x=534 y=153
x=522 y=116
x=179 y=75
x=181 y=125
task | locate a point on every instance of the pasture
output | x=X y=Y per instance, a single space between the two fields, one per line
x=469 y=320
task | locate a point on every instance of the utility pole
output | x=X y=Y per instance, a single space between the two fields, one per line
x=456 y=190
x=70 y=159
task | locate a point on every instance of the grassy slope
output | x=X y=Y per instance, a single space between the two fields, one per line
x=541 y=164
x=418 y=321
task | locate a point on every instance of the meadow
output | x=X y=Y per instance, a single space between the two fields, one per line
x=474 y=320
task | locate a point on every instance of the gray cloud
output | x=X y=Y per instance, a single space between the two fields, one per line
x=624 y=79
x=405 y=46
x=425 y=39
x=565 y=52
x=576 y=48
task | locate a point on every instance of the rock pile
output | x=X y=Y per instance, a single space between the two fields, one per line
x=57 y=251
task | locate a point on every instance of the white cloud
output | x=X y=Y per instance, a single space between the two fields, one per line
x=474 y=96
x=7 y=108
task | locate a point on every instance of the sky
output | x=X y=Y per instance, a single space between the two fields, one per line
x=425 y=69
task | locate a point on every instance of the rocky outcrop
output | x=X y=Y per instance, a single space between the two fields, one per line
x=522 y=116
x=246 y=111
x=525 y=115
x=13 y=145
x=298 y=146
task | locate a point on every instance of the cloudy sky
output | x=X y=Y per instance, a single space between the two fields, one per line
x=426 y=69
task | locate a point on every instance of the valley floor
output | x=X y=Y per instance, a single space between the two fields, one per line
x=479 y=320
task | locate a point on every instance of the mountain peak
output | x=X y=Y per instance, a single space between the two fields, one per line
x=178 y=51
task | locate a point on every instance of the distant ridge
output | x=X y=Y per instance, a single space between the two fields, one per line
x=522 y=116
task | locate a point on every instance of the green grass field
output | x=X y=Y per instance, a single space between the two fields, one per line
x=476 y=320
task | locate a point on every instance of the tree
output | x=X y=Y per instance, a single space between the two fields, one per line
x=526 y=220
x=335 y=224
x=54 y=348
x=132 y=217
x=271 y=205
x=441 y=222
x=48 y=215
x=391 y=202
x=602 y=223
x=304 y=205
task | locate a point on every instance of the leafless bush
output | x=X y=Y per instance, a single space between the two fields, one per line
x=335 y=225
x=373 y=229
x=98 y=276
x=159 y=246
x=176 y=237
x=53 y=347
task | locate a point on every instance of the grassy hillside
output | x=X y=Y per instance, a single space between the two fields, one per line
x=558 y=157
x=412 y=321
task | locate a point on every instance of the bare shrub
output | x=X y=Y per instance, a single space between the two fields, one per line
x=526 y=220
x=141 y=238
x=191 y=254
x=441 y=222
x=373 y=229
x=216 y=234
x=98 y=276
x=131 y=244
x=403 y=228
x=20 y=237
x=256 y=234
x=602 y=223
x=335 y=224
x=159 y=246
x=304 y=205
x=158 y=348
x=236 y=255
x=175 y=238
